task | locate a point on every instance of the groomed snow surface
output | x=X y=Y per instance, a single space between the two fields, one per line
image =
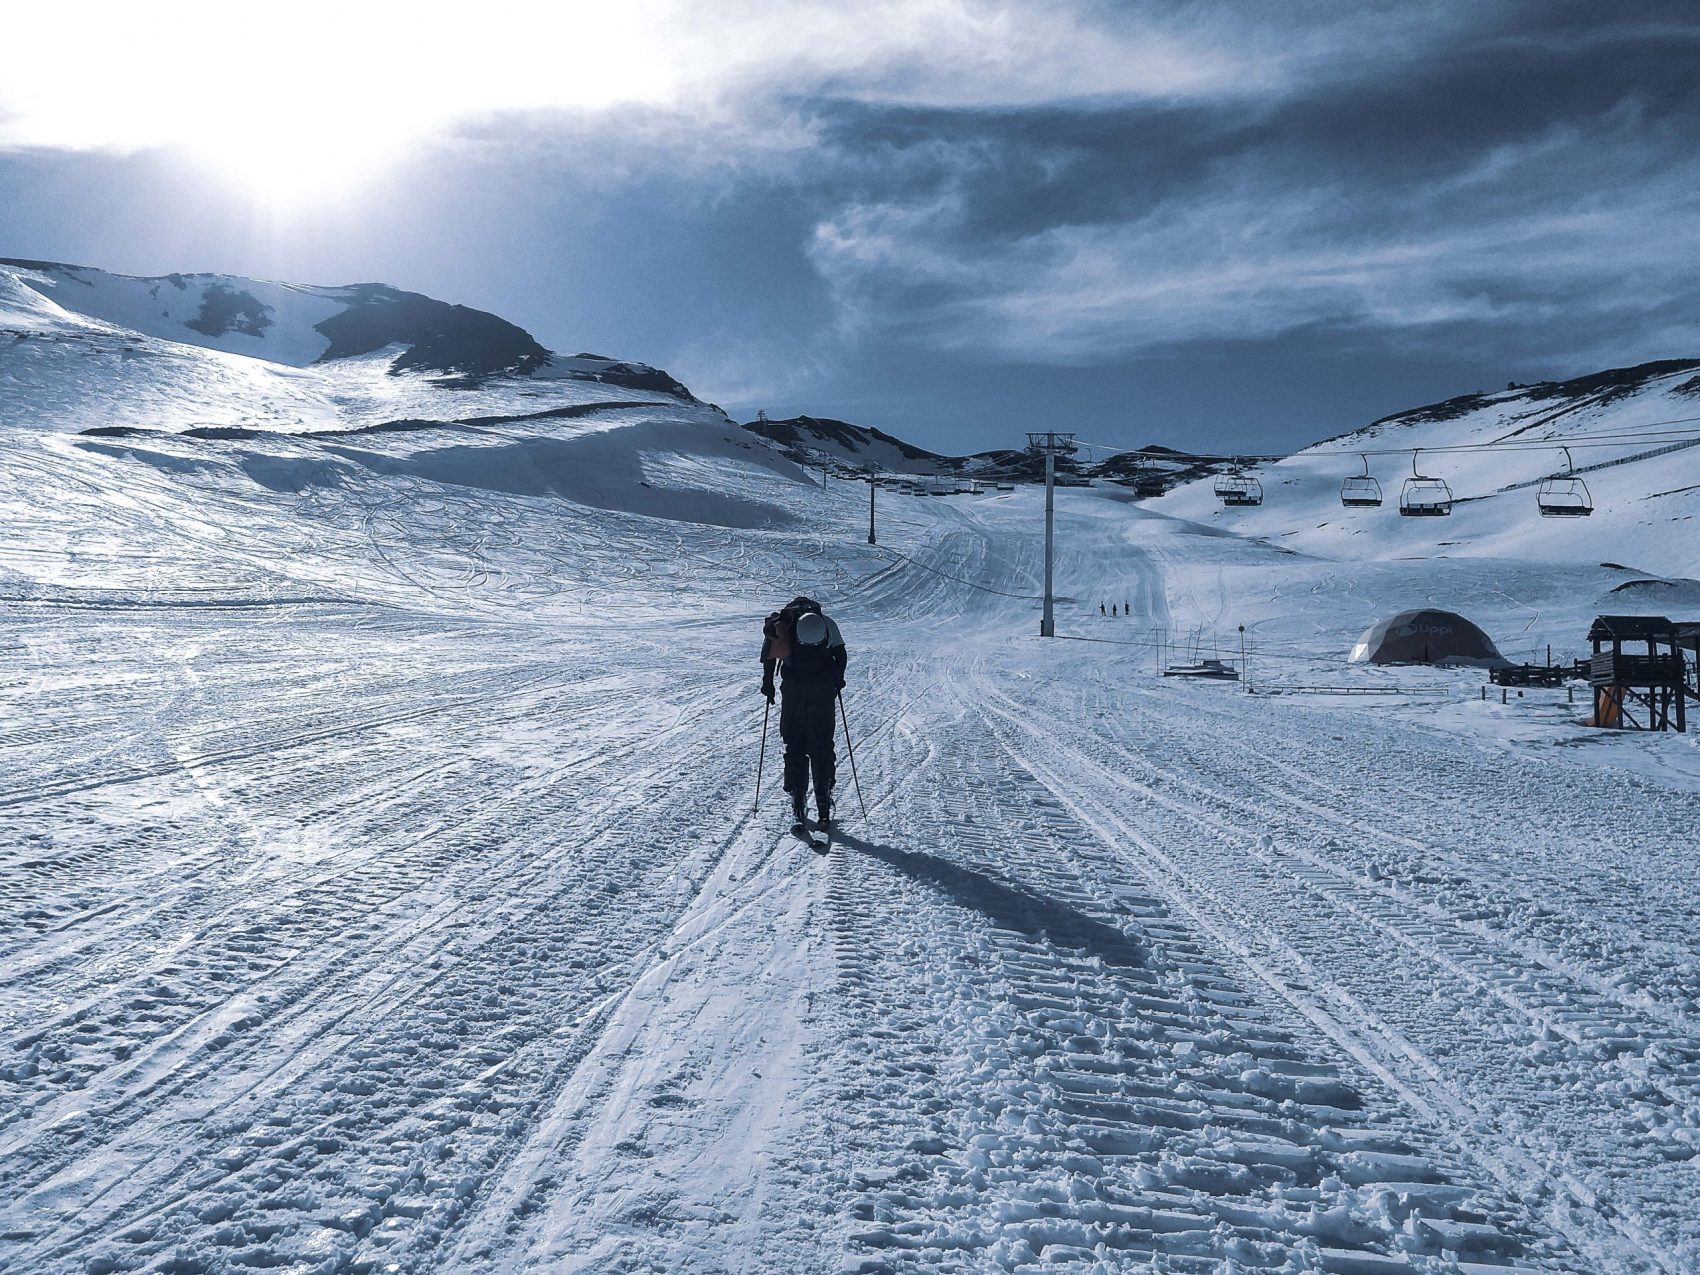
x=380 y=891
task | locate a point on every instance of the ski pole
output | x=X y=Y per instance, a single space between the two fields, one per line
x=761 y=765
x=852 y=748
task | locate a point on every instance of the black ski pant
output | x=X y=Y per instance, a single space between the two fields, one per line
x=809 y=729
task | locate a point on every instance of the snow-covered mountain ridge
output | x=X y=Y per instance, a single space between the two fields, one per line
x=81 y=347
x=1600 y=388
x=1632 y=434
x=814 y=439
x=823 y=441
x=307 y=390
x=1633 y=439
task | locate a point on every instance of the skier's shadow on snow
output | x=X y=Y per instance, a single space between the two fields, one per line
x=1009 y=906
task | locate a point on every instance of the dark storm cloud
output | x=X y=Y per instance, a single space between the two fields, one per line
x=1532 y=185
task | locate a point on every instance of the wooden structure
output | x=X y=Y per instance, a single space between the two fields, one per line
x=1688 y=649
x=1638 y=690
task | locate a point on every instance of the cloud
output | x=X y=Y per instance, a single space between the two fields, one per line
x=1073 y=180
x=1582 y=228
x=735 y=371
x=198 y=72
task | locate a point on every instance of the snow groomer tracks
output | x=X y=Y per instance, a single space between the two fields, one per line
x=1062 y=1067
x=1482 y=1038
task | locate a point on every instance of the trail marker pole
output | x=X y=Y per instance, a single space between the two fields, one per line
x=1245 y=668
x=1049 y=444
x=870 y=472
x=1047 y=621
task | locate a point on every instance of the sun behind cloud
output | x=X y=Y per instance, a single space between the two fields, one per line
x=306 y=104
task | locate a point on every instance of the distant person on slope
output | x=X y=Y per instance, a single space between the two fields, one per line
x=808 y=650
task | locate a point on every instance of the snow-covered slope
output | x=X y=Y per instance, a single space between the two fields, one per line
x=1634 y=436
x=383 y=888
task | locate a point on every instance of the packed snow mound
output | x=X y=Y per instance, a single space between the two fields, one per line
x=1633 y=436
x=678 y=469
x=24 y=310
x=676 y=463
x=1677 y=596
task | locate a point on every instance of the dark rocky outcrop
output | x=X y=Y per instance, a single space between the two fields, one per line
x=1612 y=384
x=226 y=309
x=441 y=337
x=812 y=431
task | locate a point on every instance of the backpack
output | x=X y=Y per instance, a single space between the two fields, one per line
x=776 y=629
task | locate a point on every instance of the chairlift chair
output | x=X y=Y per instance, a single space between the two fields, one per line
x=1238 y=490
x=1424 y=497
x=1361 y=491
x=1564 y=495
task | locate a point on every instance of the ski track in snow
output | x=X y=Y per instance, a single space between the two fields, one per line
x=379 y=890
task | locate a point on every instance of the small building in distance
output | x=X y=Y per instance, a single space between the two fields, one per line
x=1427 y=636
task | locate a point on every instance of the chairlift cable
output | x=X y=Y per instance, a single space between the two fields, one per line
x=1650 y=431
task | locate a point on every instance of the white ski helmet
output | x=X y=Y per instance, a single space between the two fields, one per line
x=811 y=629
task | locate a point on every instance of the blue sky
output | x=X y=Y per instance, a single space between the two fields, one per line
x=1213 y=225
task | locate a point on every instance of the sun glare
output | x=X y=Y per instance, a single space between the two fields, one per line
x=285 y=165
x=313 y=107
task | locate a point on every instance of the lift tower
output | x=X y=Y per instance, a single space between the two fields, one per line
x=1050 y=445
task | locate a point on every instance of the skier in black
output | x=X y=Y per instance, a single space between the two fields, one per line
x=808 y=650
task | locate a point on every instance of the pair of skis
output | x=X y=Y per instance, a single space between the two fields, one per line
x=800 y=827
x=820 y=845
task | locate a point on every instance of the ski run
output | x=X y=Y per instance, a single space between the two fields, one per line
x=380 y=888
